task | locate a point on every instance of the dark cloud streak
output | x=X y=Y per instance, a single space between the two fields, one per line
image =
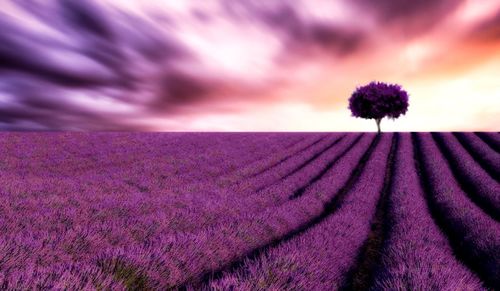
x=486 y=31
x=406 y=17
x=86 y=16
x=300 y=35
x=104 y=49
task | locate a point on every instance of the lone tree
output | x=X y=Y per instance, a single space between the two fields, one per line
x=378 y=100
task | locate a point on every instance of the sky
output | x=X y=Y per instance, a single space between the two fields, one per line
x=242 y=65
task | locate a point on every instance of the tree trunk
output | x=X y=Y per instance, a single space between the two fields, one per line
x=378 y=120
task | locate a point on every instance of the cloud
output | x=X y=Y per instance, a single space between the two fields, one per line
x=97 y=52
x=183 y=88
x=118 y=65
x=408 y=18
x=86 y=17
x=341 y=41
x=486 y=31
x=92 y=51
x=300 y=34
x=22 y=51
x=44 y=105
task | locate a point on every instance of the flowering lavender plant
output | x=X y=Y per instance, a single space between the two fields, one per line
x=378 y=100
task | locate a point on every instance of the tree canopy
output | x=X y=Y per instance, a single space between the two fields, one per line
x=378 y=100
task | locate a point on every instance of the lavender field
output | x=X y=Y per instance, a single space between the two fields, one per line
x=250 y=211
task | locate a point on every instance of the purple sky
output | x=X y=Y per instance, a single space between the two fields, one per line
x=245 y=65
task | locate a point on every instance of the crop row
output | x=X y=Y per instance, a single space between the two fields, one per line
x=321 y=257
x=213 y=249
x=482 y=188
x=249 y=211
x=482 y=153
x=416 y=254
x=474 y=235
x=491 y=138
x=240 y=204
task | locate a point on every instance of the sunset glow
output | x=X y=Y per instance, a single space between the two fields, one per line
x=231 y=65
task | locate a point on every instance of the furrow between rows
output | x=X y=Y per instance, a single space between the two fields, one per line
x=482 y=153
x=301 y=162
x=481 y=187
x=267 y=161
x=236 y=178
x=474 y=236
x=190 y=258
x=319 y=257
x=327 y=209
x=492 y=139
x=361 y=275
x=287 y=157
x=311 y=159
x=237 y=208
x=300 y=191
x=244 y=208
x=416 y=255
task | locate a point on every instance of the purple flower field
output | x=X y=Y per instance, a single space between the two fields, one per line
x=249 y=211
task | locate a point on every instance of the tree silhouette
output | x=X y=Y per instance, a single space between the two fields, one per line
x=378 y=100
